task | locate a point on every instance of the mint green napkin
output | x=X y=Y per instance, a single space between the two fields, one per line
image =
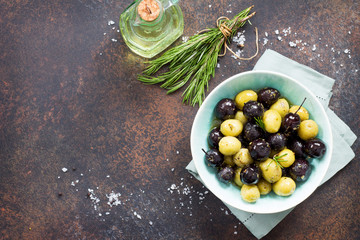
x=261 y=224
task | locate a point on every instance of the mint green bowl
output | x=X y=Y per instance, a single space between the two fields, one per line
x=293 y=91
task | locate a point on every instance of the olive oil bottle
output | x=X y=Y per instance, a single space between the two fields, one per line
x=149 y=26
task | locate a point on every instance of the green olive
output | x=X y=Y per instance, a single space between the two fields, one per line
x=231 y=127
x=270 y=170
x=228 y=160
x=308 y=129
x=245 y=96
x=281 y=106
x=284 y=187
x=272 y=121
x=264 y=186
x=242 y=158
x=229 y=145
x=237 y=179
x=250 y=193
x=287 y=159
x=302 y=112
x=241 y=117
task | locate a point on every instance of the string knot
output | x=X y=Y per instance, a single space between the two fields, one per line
x=225 y=30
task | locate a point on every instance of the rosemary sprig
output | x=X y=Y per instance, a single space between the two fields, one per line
x=260 y=123
x=277 y=160
x=194 y=60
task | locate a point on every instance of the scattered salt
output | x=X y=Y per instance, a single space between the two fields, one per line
x=292 y=44
x=64 y=169
x=185 y=38
x=346 y=51
x=113 y=199
x=239 y=38
x=279 y=38
x=114 y=40
x=313 y=48
x=265 y=41
x=111 y=22
x=277 y=32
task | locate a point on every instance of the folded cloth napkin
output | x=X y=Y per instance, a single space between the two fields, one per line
x=261 y=224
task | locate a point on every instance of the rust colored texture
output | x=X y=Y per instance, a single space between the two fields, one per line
x=69 y=98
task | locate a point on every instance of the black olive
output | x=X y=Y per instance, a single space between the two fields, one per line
x=250 y=175
x=213 y=157
x=300 y=170
x=291 y=123
x=225 y=108
x=252 y=131
x=315 y=148
x=277 y=141
x=226 y=174
x=297 y=146
x=268 y=96
x=214 y=137
x=253 y=109
x=259 y=149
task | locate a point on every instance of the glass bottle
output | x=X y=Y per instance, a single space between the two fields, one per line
x=150 y=32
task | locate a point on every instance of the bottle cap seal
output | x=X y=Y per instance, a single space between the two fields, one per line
x=148 y=10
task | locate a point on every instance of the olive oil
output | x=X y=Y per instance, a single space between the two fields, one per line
x=148 y=38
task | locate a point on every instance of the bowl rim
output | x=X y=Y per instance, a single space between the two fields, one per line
x=329 y=147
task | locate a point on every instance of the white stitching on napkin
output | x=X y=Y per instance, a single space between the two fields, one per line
x=248 y=218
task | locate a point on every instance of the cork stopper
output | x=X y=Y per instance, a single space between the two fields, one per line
x=148 y=10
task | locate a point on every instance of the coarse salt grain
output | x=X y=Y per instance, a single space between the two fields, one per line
x=265 y=41
x=277 y=31
x=95 y=200
x=64 y=169
x=292 y=44
x=113 y=199
x=114 y=40
x=111 y=22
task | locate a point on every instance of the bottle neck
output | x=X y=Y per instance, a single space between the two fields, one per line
x=149 y=13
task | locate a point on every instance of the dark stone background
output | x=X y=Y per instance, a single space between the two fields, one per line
x=69 y=98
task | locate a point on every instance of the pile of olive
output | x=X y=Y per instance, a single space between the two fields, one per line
x=263 y=144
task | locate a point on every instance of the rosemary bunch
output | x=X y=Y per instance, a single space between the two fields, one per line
x=194 y=60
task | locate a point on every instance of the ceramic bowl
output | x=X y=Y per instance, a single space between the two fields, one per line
x=295 y=93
